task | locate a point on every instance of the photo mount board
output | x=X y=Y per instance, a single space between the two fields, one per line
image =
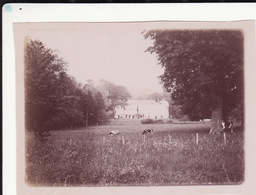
x=189 y=16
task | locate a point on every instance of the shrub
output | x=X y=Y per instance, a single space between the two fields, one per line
x=169 y=121
x=151 y=121
x=147 y=121
x=159 y=121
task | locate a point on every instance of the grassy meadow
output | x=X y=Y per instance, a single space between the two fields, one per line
x=172 y=155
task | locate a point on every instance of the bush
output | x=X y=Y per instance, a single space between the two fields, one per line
x=151 y=121
x=169 y=121
x=147 y=121
x=159 y=121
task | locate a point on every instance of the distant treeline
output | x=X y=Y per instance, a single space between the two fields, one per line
x=55 y=100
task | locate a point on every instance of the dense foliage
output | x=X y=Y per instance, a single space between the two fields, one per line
x=54 y=99
x=203 y=70
x=117 y=94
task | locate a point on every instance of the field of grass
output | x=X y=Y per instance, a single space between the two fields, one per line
x=170 y=156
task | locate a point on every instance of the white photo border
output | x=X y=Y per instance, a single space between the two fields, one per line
x=174 y=12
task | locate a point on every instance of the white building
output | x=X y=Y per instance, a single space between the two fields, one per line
x=144 y=109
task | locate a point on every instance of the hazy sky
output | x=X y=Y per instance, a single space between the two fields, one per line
x=115 y=52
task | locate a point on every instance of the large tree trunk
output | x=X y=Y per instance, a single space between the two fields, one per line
x=216 y=118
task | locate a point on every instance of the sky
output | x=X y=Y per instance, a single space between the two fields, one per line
x=111 y=51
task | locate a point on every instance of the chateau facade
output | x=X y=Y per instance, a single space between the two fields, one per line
x=143 y=109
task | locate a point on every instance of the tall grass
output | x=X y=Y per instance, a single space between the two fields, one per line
x=91 y=159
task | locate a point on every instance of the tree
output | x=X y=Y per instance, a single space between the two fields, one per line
x=99 y=111
x=203 y=70
x=44 y=71
x=118 y=95
x=94 y=104
x=156 y=96
x=54 y=99
x=104 y=93
x=88 y=103
x=70 y=113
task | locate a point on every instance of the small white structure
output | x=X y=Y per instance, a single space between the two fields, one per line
x=143 y=109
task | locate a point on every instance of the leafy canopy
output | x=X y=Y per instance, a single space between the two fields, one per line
x=44 y=75
x=201 y=67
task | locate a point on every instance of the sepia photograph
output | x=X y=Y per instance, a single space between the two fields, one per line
x=132 y=104
x=111 y=104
